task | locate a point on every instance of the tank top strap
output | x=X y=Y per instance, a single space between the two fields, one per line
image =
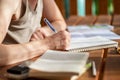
x=26 y=3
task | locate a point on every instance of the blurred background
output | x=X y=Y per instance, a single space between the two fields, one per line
x=90 y=12
x=81 y=6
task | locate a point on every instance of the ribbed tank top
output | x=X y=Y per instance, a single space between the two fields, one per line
x=20 y=31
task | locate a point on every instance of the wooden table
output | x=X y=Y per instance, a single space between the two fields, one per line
x=94 y=55
x=91 y=20
x=112 y=67
x=109 y=70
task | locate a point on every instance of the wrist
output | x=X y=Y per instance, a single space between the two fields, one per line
x=50 y=43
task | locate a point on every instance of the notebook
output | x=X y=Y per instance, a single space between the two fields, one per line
x=59 y=63
x=84 y=31
x=92 y=43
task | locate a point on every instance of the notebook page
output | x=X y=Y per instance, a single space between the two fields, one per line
x=92 y=43
x=58 y=61
x=85 y=31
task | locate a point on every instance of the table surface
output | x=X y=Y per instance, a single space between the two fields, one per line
x=110 y=70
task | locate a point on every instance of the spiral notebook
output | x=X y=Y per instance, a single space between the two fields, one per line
x=92 y=43
x=59 y=64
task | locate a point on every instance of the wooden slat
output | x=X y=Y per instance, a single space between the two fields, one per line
x=112 y=68
x=103 y=6
x=73 y=7
x=89 y=20
x=88 y=7
x=103 y=19
x=116 y=20
x=116 y=4
x=97 y=58
x=103 y=61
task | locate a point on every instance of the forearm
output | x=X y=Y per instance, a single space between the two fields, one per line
x=58 y=24
x=53 y=14
x=19 y=52
x=13 y=53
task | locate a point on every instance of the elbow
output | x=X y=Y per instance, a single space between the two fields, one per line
x=4 y=53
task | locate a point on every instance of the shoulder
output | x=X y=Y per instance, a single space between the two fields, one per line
x=9 y=5
x=48 y=1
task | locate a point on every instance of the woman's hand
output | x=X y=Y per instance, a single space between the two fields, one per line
x=60 y=40
x=38 y=34
x=41 y=33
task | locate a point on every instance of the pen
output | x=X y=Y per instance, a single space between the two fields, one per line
x=93 y=68
x=50 y=25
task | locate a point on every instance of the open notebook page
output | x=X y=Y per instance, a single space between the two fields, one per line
x=92 y=43
x=61 y=61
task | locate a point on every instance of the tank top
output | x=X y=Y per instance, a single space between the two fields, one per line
x=20 y=31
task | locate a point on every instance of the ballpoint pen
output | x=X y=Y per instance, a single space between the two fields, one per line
x=93 y=68
x=50 y=25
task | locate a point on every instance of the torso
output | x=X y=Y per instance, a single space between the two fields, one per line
x=24 y=22
x=33 y=4
x=21 y=9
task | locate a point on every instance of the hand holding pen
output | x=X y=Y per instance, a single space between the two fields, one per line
x=61 y=39
x=40 y=32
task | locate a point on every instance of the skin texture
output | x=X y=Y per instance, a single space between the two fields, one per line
x=42 y=39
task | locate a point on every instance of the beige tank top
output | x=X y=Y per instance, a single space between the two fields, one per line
x=20 y=31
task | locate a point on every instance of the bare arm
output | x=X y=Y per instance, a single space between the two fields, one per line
x=18 y=52
x=5 y=17
x=53 y=14
x=9 y=53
